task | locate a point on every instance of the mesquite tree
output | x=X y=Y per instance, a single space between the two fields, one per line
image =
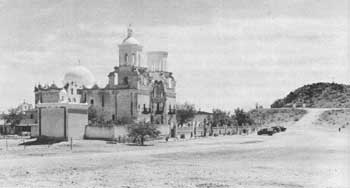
x=141 y=130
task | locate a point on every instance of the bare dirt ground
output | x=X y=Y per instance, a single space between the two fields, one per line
x=305 y=155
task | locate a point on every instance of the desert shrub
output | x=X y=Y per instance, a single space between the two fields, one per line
x=242 y=117
x=142 y=130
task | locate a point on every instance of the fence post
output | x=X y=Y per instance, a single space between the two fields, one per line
x=6 y=143
x=71 y=144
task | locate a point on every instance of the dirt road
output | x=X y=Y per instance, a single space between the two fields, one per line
x=303 y=156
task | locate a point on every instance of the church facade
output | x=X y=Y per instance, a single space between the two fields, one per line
x=139 y=90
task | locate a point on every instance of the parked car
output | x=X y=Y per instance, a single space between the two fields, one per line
x=283 y=129
x=279 y=128
x=276 y=129
x=268 y=131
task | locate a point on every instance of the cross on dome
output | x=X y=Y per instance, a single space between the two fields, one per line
x=130 y=40
x=130 y=31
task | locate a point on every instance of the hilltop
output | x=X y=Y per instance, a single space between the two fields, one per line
x=317 y=95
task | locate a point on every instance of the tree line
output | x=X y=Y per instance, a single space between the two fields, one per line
x=186 y=112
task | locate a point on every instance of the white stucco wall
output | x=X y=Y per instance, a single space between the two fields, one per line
x=164 y=129
x=120 y=131
x=34 y=131
x=99 y=132
x=76 y=125
x=52 y=122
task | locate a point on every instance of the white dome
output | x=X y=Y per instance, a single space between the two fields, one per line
x=80 y=75
x=130 y=40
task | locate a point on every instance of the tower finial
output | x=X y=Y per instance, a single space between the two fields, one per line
x=130 y=30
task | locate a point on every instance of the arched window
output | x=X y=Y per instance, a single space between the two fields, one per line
x=71 y=91
x=92 y=101
x=139 y=60
x=133 y=59
x=126 y=80
x=170 y=84
x=126 y=59
x=74 y=100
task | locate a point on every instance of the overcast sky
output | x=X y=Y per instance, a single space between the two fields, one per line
x=224 y=53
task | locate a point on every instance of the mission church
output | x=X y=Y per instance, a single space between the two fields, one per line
x=140 y=88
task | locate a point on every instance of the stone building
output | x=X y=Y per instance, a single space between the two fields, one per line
x=144 y=91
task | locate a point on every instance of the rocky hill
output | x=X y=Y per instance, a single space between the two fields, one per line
x=334 y=118
x=318 y=95
x=272 y=117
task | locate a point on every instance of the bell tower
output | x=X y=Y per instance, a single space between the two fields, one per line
x=130 y=50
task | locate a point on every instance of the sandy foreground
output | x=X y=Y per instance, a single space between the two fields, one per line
x=306 y=155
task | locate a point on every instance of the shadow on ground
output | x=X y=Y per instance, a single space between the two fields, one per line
x=135 y=144
x=43 y=141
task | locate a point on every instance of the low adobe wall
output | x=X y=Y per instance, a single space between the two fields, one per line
x=120 y=131
x=99 y=132
x=184 y=132
x=115 y=132
x=188 y=132
x=164 y=129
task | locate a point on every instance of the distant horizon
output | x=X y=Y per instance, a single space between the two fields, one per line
x=224 y=54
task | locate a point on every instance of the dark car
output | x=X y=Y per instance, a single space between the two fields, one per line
x=279 y=128
x=276 y=129
x=283 y=128
x=268 y=131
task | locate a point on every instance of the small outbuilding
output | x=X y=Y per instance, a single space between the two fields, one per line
x=62 y=120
